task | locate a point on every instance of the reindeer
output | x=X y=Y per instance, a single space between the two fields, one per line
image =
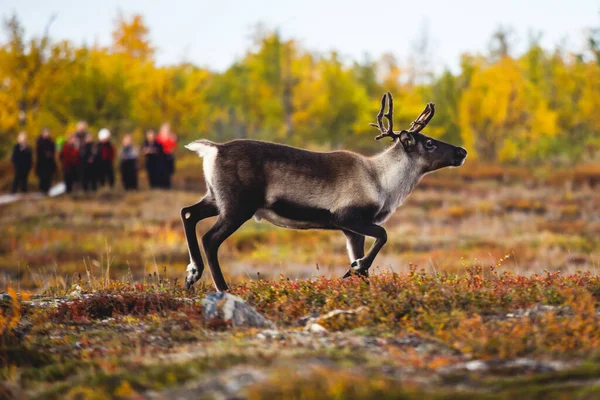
x=301 y=189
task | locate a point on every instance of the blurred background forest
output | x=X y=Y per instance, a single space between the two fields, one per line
x=504 y=107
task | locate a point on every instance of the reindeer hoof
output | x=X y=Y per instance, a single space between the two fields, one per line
x=193 y=274
x=360 y=267
x=357 y=268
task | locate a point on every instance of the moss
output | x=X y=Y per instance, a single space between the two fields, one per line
x=326 y=383
x=584 y=372
x=59 y=371
x=21 y=356
x=139 y=377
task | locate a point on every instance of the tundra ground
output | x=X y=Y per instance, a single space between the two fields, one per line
x=487 y=289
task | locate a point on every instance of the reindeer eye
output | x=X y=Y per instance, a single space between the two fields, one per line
x=429 y=144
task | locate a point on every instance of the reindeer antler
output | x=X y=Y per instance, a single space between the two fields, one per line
x=416 y=126
x=423 y=119
x=389 y=131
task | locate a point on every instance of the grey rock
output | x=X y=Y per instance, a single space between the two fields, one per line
x=315 y=328
x=304 y=320
x=226 y=310
x=507 y=367
x=539 y=310
x=76 y=291
x=228 y=384
x=5 y=297
x=317 y=319
x=271 y=334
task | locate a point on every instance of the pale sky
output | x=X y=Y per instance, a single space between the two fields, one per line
x=216 y=33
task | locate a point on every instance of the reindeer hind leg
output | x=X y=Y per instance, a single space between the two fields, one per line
x=212 y=240
x=190 y=217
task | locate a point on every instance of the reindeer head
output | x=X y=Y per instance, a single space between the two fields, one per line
x=430 y=154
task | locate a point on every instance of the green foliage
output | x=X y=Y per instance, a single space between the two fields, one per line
x=503 y=107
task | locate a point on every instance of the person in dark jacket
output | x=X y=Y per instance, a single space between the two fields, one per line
x=45 y=163
x=155 y=160
x=128 y=164
x=106 y=158
x=70 y=159
x=81 y=133
x=90 y=164
x=22 y=160
x=166 y=138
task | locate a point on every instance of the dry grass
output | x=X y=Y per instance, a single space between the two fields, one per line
x=109 y=318
x=127 y=236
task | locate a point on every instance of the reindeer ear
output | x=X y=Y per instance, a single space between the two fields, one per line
x=407 y=139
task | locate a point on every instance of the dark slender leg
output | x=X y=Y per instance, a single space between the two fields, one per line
x=355 y=244
x=101 y=175
x=16 y=181
x=68 y=180
x=223 y=228
x=45 y=179
x=134 y=176
x=24 y=182
x=94 y=178
x=85 y=179
x=191 y=216
x=362 y=265
x=111 y=176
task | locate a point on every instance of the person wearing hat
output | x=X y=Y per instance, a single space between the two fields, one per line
x=106 y=158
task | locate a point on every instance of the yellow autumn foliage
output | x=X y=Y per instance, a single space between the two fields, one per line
x=539 y=105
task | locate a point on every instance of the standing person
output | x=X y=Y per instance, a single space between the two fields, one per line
x=46 y=164
x=81 y=133
x=154 y=155
x=90 y=164
x=168 y=141
x=128 y=164
x=106 y=158
x=22 y=160
x=70 y=159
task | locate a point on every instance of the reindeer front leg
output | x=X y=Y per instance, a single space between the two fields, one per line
x=361 y=265
x=355 y=244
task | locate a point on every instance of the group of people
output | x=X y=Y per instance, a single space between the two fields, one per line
x=90 y=164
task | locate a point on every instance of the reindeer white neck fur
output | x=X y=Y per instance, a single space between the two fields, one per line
x=398 y=175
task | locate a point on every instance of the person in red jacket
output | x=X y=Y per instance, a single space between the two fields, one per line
x=166 y=138
x=106 y=158
x=69 y=157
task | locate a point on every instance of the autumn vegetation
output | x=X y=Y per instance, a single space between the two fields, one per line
x=540 y=105
x=487 y=287
x=409 y=336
